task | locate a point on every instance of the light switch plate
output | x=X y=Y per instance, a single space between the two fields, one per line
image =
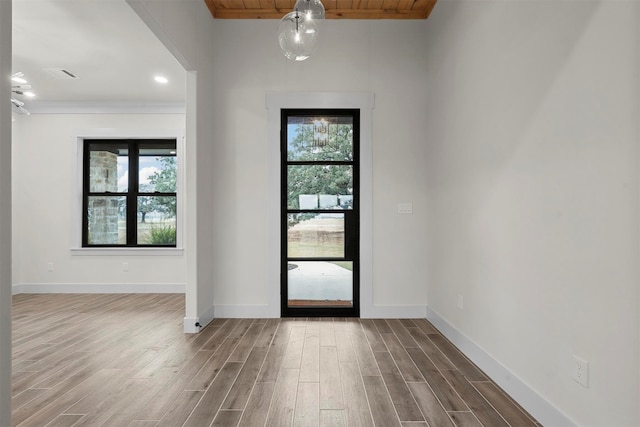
x=405 y=208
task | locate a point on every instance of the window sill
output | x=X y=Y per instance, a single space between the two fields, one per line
x=127 y=251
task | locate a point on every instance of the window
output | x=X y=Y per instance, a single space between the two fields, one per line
x=129 y=193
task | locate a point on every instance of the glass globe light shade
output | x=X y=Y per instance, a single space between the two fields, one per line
x=310 y=9
x=297 y=36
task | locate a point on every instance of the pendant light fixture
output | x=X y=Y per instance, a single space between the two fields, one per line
x=297 y=36
x=298 y=30
x=310 y=9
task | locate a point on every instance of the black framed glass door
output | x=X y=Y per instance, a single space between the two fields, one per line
x=320 y=212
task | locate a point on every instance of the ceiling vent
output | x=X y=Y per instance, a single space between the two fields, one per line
x=61 y=73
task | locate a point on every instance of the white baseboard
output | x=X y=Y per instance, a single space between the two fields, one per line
x=207 y=317
x=98 y=288
x=193 y=325
x=547 y=414
x=394 y=312
x=267 y=311
x=246 y=311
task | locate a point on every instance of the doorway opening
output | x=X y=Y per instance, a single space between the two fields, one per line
x=320 y=212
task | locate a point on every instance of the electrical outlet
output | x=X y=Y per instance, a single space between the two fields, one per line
x=581 y=371
x=125 y=266
x=460 y=303
x=49 y=266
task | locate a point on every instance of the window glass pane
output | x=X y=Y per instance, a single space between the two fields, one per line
x=320 y=138
x=320 y=187
x=156 y=224
x=108 y=168
x=320 y=284
x=152 y=217
x=157 y=169
x=106 y=220
x=315 y=235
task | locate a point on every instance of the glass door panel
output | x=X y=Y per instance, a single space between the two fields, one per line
x=311 y=235
x=319 y=186
x=320 y=138
x=320 y=284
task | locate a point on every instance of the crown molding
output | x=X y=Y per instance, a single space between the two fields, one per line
x=68 y=107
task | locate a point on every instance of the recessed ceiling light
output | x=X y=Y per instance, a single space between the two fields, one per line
x=29 y=94
x=18 y=77
x=161 y=79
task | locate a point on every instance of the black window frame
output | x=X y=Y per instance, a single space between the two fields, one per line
x=132 y=193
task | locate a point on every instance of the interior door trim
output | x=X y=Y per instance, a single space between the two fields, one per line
x=365 y=101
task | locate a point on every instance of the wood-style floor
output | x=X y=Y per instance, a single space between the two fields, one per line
x=123 y=360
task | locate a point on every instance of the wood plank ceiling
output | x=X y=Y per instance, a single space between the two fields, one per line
x=334 y=9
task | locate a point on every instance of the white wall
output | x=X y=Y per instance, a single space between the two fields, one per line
x=352 y=56
x=5 y=215
x=533 y=192
x=45 y=195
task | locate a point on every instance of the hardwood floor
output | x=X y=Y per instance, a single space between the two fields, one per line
x=123 y=360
